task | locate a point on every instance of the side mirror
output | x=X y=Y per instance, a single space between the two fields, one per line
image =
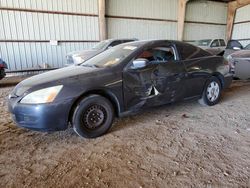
x=236 y=48
x=140 y=63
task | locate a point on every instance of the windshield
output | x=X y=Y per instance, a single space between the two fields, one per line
x=203 y=42
x=112 y=56
x=247 y=47
x=232 y=44
x=101 y=45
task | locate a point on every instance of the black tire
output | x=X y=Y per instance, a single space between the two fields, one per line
x=93 y=116
x=211 y=97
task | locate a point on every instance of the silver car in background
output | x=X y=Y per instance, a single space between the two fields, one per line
x=239 y=62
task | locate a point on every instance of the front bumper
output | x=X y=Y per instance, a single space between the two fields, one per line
x=41 y=117
x=227 y=80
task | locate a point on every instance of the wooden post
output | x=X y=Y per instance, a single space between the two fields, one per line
x=231 y=12
x=242 y=3
x=181 y=18
x=102 y=20
x=232 y=6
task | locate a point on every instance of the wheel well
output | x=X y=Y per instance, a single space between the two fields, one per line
x=221 y=78
x=102 y=93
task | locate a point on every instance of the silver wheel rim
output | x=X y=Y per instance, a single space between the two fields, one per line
x=213 y=91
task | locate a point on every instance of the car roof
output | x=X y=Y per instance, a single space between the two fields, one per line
x=132 y=39
x=157 y=41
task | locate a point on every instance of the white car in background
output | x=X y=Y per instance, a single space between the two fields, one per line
x=81 y=56
x=214 y=46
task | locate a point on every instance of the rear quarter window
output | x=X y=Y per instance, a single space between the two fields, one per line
x=188 y=51
x=222 y=42
x=127 y=41
x=215 y=43
x=115 y=43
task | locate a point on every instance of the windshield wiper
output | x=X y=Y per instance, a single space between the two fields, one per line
x=88 y=65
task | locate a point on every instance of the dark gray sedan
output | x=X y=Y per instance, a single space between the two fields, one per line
x=120 y=81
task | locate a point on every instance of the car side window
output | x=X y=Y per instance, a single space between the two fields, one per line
x=215 y=43
x=125 y=41
x=158 y=54
x=115 y=43
x=188 y=51
x=222 y=42
x=234 y=44
x=247 y=47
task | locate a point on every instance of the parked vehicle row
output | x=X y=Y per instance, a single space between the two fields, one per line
x=3 y=66
x=119 y=81
x=214 y=46
x=81 y=56
x=237 y=55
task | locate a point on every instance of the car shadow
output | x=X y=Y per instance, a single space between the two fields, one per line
x=138 y=119
x=132 y=120
x=163 y=110
x=237 y=86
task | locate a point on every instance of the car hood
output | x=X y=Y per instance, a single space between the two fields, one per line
x=204 y=47
x=55 y=77
x=241 y=54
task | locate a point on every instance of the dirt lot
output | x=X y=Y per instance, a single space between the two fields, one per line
x=180 y=145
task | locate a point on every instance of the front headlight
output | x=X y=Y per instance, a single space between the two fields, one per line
x=78 y=59
x=42 y=96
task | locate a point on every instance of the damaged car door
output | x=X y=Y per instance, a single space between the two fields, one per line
x=154 y=77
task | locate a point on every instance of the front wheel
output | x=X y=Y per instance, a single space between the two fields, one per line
x=212 y=92
x=93 y=116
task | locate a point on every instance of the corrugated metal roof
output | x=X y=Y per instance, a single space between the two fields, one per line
x=141 y=29
x=77 y=6
x=206 y=11
x=206 y=19
x=163 y=9
x=243 y=14
x=41 y=26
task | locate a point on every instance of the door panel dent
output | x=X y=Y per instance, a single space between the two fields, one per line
x=152 y=92
x=158 y=84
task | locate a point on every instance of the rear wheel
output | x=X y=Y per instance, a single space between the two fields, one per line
x=93 y=116
x=212 y=92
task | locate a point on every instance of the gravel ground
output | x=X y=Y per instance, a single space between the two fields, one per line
x=179 y=145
